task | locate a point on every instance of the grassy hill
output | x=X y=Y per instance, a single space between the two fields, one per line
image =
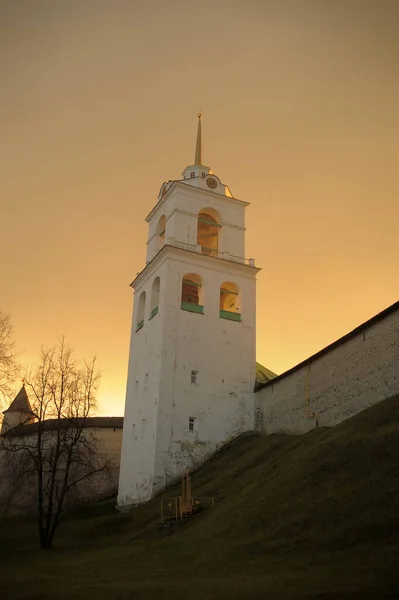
x=312 y=516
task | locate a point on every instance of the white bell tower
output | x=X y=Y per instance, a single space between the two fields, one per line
x=192 y=352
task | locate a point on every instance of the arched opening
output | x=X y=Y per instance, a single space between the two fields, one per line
x=140 y=312
x=192 y=293
x=155 y=297
x=208 y=231
x=161 y=232
x=230 y=301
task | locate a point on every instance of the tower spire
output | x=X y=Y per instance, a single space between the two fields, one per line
x=198 y=147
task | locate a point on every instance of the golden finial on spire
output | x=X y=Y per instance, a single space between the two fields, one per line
x=198 y=148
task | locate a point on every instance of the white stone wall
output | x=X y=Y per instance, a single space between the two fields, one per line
x=21 y=496
x=181 y=205
x=223 y=354
x=354 y=375
x=142 y=394
x=105 y=483
x=11 y=419
x=160 y=399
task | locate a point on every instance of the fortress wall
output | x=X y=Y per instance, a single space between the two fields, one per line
x=105 y=483
x=352 y=374
x=20 y=496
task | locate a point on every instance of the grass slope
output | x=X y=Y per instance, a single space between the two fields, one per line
x=313 y=516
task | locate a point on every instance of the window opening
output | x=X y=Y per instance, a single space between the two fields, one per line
x=191 y=293
x=208 y=231
x=140 y=312
x=192 y=174
x=161 y=226
x=230 y=302
x=154 y=297
x=192 y=423
x=194 y=376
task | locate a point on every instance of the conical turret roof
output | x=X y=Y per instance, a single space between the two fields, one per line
x=20 y=403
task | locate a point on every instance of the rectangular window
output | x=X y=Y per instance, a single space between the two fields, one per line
x=192 y=424
x=194 y=376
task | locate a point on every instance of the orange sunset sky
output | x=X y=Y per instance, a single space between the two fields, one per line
x=98 y=105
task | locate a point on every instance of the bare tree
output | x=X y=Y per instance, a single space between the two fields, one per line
x=8 y=362
x=60 y=451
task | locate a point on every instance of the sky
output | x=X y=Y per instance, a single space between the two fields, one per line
x=98 y=107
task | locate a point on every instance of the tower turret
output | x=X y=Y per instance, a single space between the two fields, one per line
x=19 y=412
x=192 y=353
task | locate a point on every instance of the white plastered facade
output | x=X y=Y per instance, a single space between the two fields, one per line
x=191 y=375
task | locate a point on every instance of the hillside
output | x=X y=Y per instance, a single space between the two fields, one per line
x=313 y=516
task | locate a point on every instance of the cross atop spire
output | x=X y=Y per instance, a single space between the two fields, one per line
x=198 y=148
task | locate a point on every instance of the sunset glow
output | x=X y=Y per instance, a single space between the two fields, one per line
x=99 y=107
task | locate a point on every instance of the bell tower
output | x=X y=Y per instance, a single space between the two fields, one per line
x=192 y=366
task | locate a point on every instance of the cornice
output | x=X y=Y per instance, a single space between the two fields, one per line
x=192 y=191
x=213 y=261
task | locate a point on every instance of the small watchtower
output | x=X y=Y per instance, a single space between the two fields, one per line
x=18 y=413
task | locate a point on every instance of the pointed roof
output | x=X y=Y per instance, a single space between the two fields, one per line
x=263 y=375
x=198 y=147
x=20 y=403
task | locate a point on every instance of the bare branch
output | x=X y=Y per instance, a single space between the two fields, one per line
x=8 y=357
x=62 y=453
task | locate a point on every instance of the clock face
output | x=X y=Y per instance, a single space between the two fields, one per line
x=212 y=183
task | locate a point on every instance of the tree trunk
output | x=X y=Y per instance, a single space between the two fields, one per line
x=45 y=540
